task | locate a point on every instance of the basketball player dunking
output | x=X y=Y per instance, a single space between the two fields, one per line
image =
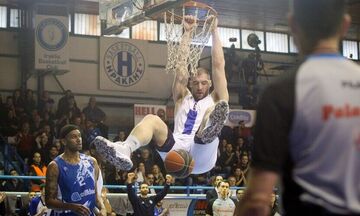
x=199 y=115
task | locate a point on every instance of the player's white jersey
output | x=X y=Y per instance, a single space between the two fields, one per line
x=189 y=115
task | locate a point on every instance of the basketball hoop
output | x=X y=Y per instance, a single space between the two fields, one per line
x=174 y=25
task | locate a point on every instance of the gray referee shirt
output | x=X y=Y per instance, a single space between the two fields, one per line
x=221 y=207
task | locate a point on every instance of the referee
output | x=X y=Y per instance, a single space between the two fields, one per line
x=308 y=123
x=223 y=205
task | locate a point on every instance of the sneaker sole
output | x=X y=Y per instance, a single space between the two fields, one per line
x=119 y=160
x=217 y=120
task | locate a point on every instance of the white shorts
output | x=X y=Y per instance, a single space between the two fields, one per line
x=204 y=155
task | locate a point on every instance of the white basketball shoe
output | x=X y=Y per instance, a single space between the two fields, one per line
x=117 y=154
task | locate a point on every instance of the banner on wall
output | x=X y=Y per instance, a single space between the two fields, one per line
x=141 y=110
x=237 y=115
x=123 y=64
x=51 y=42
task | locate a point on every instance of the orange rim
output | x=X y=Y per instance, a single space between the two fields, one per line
x=192 y=4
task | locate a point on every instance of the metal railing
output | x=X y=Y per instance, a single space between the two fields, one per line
x=186 y=188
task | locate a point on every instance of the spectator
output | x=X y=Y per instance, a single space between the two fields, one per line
x=14 y=184
x=61 y=122
x=243 y=166
x=114 y=177
x=9 y=105
x=92 y=111
x=91 y=132
x=158 y=176
x=227 y=159
x=242 y=146
x=232 y=184
x=41 y=143
x=227 y=133
x=146 y=159
x=243 y=131
x=37 y=168
x=49 y=133
x=240 y=177
x=52 y=154
x=199 y=180
x=29 y=102
x=239 y=194
x=46 y=103
x=37 y=205
x=150 y=182
x=120 y=137
x=59 y=145
x=63 y=104
x=48 y=119
x=213 y=193
x=35 y=124
x=76 y=120
x=24 y=211
x=72 y=110
x=140 y=173
x=160 y=210
x=3 y=210
x=222 y=147
x=18 y=101
x=25 y=141
x=10 y=124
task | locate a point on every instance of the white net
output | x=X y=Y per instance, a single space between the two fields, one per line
x=199 y=36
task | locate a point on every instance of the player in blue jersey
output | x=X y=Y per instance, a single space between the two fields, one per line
x=71 y=179
x=199 y=113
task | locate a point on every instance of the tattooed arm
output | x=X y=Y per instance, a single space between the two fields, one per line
x=51 y=194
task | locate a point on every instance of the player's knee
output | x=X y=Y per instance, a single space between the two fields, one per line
x=152 y=120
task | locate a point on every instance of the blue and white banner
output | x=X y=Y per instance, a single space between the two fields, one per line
x=123 y=65
x=51 y=43
x=237 y=115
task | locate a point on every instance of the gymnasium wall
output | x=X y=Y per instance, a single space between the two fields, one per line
x=83 y=78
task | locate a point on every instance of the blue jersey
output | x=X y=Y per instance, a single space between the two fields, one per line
x=76 y=183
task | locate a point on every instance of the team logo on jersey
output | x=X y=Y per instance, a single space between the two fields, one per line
x=75 y=197
x=52 y=34
x=124 y=64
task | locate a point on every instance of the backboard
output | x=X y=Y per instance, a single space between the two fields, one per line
x=117 y=15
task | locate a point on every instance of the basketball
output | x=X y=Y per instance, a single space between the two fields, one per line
x=179 y=163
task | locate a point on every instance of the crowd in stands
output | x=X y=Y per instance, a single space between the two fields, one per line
x=31 y=128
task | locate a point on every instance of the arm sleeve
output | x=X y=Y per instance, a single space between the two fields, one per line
x=131 y=194
x=162 y=194
x=273 y=125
